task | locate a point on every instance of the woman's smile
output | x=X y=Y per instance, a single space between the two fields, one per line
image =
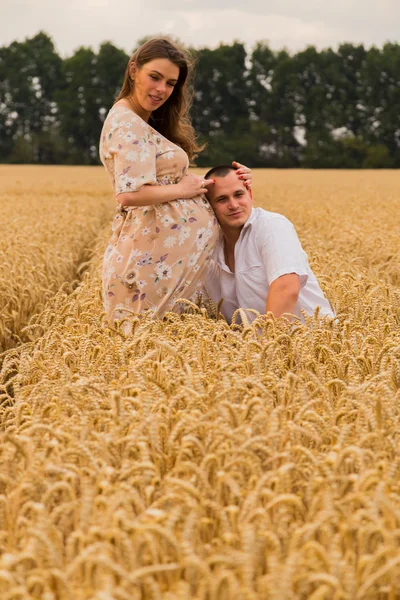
x=156 y=99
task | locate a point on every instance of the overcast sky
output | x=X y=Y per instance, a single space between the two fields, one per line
x=293 y=24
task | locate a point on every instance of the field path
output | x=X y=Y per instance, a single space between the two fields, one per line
x=50 y=217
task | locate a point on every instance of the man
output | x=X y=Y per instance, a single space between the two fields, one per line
x=258 y=261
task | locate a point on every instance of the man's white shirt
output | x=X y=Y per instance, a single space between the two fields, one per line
x=267 y=248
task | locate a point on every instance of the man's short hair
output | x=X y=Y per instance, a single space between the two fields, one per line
x=219 y=171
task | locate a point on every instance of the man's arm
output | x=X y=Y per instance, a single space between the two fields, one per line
x=283 y=294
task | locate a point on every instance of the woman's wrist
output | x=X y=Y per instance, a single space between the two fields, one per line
x=177 y=190
x=150 y=195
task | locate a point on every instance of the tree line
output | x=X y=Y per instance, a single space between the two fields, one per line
x=315 y=108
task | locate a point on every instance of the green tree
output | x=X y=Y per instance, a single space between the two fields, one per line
x=79 y=106
x=335 y=109
x=220 y=111
x=270 y=95
x=91 y=84
x=8 y=116
x=30 y=76
x=381 y=76
x=110 y=69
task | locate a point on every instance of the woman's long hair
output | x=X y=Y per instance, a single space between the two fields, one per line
x=172 y=119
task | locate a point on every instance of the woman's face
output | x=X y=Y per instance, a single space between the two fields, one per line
x=154 y=83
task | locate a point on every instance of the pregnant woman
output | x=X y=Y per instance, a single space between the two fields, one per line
x=164 y=231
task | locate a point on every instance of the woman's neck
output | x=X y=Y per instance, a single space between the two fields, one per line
x=135 y=106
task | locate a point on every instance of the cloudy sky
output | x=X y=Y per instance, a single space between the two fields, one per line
x=293 y=24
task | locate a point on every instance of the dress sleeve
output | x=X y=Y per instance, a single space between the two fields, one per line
x=282 y=252
x=133 y=152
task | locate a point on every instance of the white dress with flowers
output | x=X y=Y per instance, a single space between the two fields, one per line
x=156 y=254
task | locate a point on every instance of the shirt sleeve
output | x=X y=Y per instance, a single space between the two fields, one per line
x=282 y=252
x=133 y=151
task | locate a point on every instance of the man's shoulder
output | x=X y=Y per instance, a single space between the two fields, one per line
x=265 y=220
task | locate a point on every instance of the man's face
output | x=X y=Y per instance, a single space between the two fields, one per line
x=231 y=201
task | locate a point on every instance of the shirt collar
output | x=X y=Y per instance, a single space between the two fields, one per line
x=219 y=254
x=250 y=220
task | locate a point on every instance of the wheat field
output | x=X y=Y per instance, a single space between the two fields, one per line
x=193 y=459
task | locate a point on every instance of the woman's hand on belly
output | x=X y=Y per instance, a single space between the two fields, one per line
x=191 y=186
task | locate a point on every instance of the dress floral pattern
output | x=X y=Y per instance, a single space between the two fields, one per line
x=156 y=254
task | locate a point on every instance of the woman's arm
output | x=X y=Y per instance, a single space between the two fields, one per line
x=149 y=195
x=190 y=186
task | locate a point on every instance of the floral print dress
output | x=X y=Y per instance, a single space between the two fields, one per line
x=156 y=254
